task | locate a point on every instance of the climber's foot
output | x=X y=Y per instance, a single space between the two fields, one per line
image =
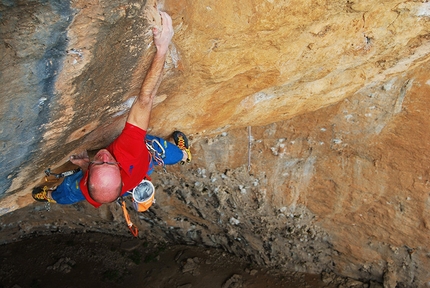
x=182 y=142
x=42 y=194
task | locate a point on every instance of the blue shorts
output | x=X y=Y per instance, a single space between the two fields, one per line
x=68 y=192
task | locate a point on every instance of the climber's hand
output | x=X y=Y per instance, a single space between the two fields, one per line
x=82 y=160
x=163 y=35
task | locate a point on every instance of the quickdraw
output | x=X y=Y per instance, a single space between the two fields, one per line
x=151 y=145
x=61 y=175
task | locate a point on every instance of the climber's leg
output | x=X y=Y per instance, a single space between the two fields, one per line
x=69 y=192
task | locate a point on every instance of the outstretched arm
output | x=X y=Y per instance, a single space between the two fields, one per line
x=141 y=109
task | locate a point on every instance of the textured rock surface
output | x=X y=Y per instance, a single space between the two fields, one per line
x=309 y=122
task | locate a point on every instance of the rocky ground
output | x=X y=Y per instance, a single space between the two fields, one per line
x=90 y=259
x=86 y=260
x=79 y=246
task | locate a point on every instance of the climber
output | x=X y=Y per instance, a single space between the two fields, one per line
x=126 y=161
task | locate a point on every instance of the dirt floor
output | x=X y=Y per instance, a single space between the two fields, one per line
x=91 y=259
x=58 y=246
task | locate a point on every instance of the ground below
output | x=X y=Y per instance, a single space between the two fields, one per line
x=90 y=259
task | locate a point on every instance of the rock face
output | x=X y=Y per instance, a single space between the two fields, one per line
x=308 y=119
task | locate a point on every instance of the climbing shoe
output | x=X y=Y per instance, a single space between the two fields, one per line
x=182 y=142
x=41 y=194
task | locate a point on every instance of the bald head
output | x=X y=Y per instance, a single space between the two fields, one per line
x=104 y=178
x=104 y=184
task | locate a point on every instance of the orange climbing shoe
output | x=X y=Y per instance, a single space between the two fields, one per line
x=41 y=194
x=182 y=142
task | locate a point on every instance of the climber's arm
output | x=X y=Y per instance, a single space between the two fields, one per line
x=141 y=109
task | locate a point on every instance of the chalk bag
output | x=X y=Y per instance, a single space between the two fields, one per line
x=143 y=196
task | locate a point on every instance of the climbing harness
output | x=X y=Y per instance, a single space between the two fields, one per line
x=154 y=147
